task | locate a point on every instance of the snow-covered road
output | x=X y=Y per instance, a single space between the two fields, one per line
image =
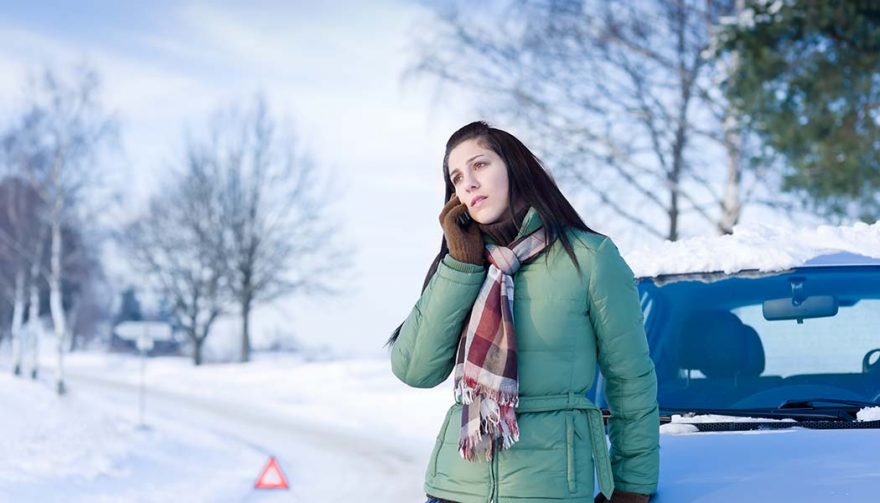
x=321 y=462
x=336 y=428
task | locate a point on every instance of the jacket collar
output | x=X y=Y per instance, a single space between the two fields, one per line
x=530 y=222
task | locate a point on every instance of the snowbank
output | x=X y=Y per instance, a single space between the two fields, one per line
x=755 y=246
x=716 y=418
x=73 y=448
x=46 y=435
x=868 y=414
x=680 y=425
x=678 y=428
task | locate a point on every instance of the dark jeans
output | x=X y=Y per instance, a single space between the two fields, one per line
x=433 y=499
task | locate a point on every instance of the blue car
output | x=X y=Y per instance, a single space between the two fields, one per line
x=768 y=382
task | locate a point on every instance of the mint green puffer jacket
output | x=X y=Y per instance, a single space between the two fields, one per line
x=564 y=323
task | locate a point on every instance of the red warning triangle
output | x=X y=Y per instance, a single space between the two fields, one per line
x=271 y=477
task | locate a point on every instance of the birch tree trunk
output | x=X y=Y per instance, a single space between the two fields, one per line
x=55 y=304
x=32 y=331
x=731 y=204
x=17 y=321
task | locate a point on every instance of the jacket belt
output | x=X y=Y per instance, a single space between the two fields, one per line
x=575 y=401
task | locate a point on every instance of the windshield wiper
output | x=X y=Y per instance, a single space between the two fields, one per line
x=811 y=403
x=799 y=410
x=843 y=408
x=802 y=411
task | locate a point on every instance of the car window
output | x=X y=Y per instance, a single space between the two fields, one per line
x=713 y=346
x=821 y=345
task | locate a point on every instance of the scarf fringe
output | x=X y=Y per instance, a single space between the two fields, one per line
x=467 y=447
x=468 y=387
x=509 y=434
x=497 y=420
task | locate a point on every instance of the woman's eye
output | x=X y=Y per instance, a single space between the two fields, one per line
x=455 y=179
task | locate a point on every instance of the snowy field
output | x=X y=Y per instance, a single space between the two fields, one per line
x=338 y=429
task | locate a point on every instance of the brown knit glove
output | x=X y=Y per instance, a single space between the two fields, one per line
x=622 y=497
x=465 y=243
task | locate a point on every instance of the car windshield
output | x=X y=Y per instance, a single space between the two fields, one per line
x=756 y=340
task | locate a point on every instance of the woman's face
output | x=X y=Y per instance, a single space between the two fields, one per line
x=479 y=176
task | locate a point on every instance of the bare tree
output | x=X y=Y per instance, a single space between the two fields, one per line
x=86 y=292
x=178 y=245
x=57 y=143
x=243 y=223
x=621 y=98
x=278 y=237
x=21 y=246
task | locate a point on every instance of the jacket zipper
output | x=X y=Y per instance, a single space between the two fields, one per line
x=494 y=476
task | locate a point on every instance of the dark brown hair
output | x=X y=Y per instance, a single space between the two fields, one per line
x=528 y=183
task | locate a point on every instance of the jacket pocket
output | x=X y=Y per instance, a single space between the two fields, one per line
x=569 y=451
x=432 y=468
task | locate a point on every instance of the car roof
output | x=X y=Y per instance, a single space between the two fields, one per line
x=834 y=259
x=842 y=258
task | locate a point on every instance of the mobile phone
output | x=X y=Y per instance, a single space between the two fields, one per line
x=464 y=219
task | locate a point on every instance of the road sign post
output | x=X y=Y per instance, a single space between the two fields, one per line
x=144 y=344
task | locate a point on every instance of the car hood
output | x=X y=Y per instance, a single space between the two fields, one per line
x=793 y=464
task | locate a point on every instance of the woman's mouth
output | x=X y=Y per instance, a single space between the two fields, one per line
x=478 y=201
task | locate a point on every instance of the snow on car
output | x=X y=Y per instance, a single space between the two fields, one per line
x=766 y=345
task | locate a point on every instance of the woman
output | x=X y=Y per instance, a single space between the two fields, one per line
x=521 y=428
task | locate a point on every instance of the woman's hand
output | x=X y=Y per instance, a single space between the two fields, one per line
x=465 y=243
x=622 y=497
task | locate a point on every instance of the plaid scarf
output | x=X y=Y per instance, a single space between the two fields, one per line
x=485 y=364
